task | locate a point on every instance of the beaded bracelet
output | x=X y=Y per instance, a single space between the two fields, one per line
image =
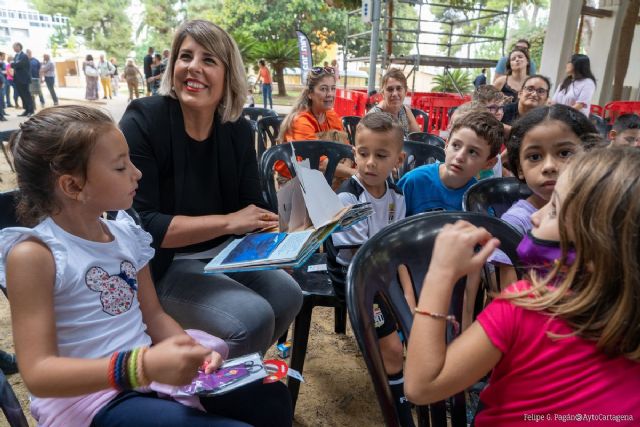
x=131 y=368
x=142 y=379
x=121 y=370
x=126 y=370
x=450 y=318
x=112 y=370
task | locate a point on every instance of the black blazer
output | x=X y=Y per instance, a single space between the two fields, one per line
x=21 y=68
x=154 y=129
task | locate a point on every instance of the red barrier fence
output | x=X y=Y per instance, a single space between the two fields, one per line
x=616 y=108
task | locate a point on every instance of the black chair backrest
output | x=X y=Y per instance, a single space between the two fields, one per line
x=268 y=129
x=312 y=150
x=427 y=138
x=374 y=270
x=8 y=201
x=256 y=113
x=494 y=196
x=349 y=124
x=419 y=113
x=601 y=124
x=419 y=154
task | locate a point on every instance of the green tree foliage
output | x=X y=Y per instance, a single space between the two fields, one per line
x=403 y=43
x=280 y=54
x=444 y=82
x=524 y=14
x=159 y=21
x=104 y=25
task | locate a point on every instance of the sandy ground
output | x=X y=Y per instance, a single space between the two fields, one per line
x=337 y=389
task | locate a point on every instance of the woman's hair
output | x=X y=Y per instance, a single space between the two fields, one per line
x=54 y=142
x=303 y=103
x=581 y=70
x=598 y=294
x=394 y=73
x=526 y=55
x=89 y=57
x=219 y=44
x=575 y=120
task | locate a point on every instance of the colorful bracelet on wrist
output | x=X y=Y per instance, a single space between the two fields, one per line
x=126 y=371
x=450 y=318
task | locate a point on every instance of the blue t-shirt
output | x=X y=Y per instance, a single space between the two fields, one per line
x=424 y=191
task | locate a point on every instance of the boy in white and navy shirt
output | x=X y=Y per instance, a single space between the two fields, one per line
x=379 y=141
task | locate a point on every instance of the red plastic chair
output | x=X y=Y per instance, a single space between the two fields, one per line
x=616 y=108
x=596 y=109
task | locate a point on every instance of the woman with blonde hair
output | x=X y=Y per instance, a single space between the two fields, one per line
x=394 y=90
x=312 y=115
x=199 y=187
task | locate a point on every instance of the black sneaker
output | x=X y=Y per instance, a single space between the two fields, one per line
x=8 y=363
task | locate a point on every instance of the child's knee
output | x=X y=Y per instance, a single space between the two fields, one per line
x=392 y=353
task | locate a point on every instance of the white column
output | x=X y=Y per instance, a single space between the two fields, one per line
x=603 y=51
x=560 y=38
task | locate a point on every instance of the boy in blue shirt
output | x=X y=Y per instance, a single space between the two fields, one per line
x=473 y=145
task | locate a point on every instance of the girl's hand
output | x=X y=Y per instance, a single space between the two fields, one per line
x=454 y=252
x=175 y=361
x=249 y=219
x=213 y=362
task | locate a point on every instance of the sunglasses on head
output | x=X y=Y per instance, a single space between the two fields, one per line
x=321 y=70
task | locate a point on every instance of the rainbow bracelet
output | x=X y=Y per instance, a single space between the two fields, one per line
x=142 y=379
x=131 y=373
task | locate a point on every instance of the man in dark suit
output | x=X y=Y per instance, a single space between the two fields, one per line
x=22 y=78
x=148 y=60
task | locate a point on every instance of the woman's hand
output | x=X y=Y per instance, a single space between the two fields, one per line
x=249 y=219
x=454 y=252
x=175 y=361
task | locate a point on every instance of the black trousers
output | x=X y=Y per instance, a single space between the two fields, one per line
x=25 y=95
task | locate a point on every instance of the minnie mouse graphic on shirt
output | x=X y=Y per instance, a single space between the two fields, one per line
x=117 y=291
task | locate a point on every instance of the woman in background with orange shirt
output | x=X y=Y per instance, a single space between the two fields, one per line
x=264 y=76
x=313 y=113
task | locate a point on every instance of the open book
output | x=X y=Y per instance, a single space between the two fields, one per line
x=309 y=212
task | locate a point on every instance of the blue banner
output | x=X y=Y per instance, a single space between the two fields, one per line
x=306 y=56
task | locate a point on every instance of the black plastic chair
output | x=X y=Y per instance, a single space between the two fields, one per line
x=311 y=150
x=494 y=196
x=268 y=129
x=256 y=113
x=349 y=124
x=427 y=138
x=374 y=270
x=4 y=141
x=419 y=113
x=600 y=123
x=419 y=154
x=316 y=286
x=8 y=400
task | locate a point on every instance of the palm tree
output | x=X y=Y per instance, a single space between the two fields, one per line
x=461 y=78
x=246 y=46
x=280 y=54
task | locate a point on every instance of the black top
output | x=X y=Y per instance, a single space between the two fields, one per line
x=21 y=68
x=511 y=113
x=224 y=165
x=509 y=91
x=148 y=59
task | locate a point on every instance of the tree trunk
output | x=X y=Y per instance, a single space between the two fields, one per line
x=279 y=74
x=624 y=47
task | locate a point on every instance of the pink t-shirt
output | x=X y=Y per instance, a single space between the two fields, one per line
x=543 y=381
